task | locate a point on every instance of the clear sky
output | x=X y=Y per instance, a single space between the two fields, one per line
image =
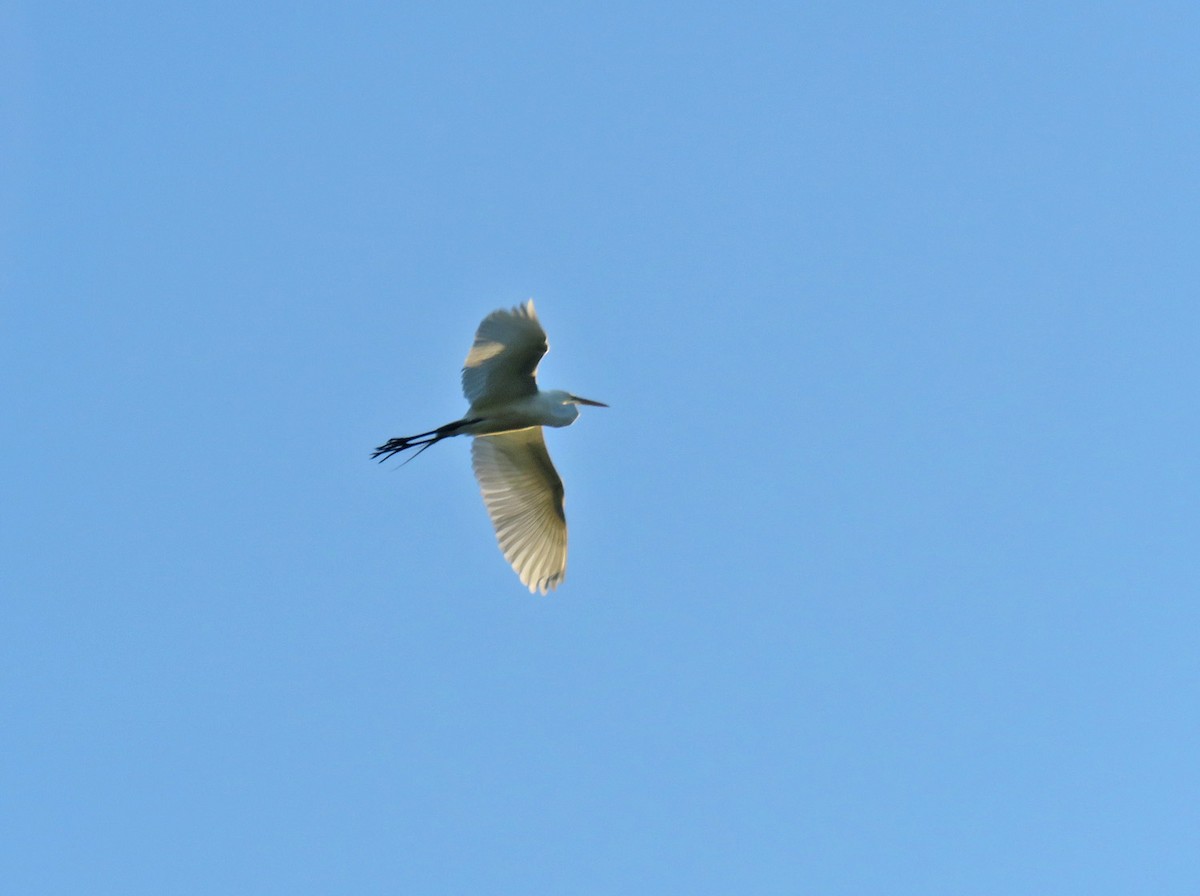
x=883 y=573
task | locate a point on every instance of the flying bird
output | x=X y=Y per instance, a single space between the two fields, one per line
x=522 y=490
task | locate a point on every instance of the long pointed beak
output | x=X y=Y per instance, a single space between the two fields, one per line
x=588 y=401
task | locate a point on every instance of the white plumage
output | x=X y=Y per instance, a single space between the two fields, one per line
x=524 y=498
x=521 y=489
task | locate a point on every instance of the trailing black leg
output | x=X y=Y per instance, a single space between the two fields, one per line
x=421 y=440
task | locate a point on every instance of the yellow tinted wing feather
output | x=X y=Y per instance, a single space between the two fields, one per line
x=524 y=498
x=502 y=363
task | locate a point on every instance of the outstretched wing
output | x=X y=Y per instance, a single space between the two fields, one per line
x=503 y=360
x=524 y=498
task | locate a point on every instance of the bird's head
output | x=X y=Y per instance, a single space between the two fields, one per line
x=561 y=406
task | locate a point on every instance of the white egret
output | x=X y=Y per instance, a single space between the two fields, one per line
x=522 y=490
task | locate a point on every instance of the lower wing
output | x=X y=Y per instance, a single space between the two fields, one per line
x=524 y=498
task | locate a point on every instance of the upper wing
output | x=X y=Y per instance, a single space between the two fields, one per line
x=524 y=498
x=503 y=360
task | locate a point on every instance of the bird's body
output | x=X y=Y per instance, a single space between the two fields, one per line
x=522 y=490
x=541 y=409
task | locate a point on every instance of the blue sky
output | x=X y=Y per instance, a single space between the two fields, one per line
x=883 y=574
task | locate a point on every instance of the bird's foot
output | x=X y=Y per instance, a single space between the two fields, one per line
x=394 y=446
